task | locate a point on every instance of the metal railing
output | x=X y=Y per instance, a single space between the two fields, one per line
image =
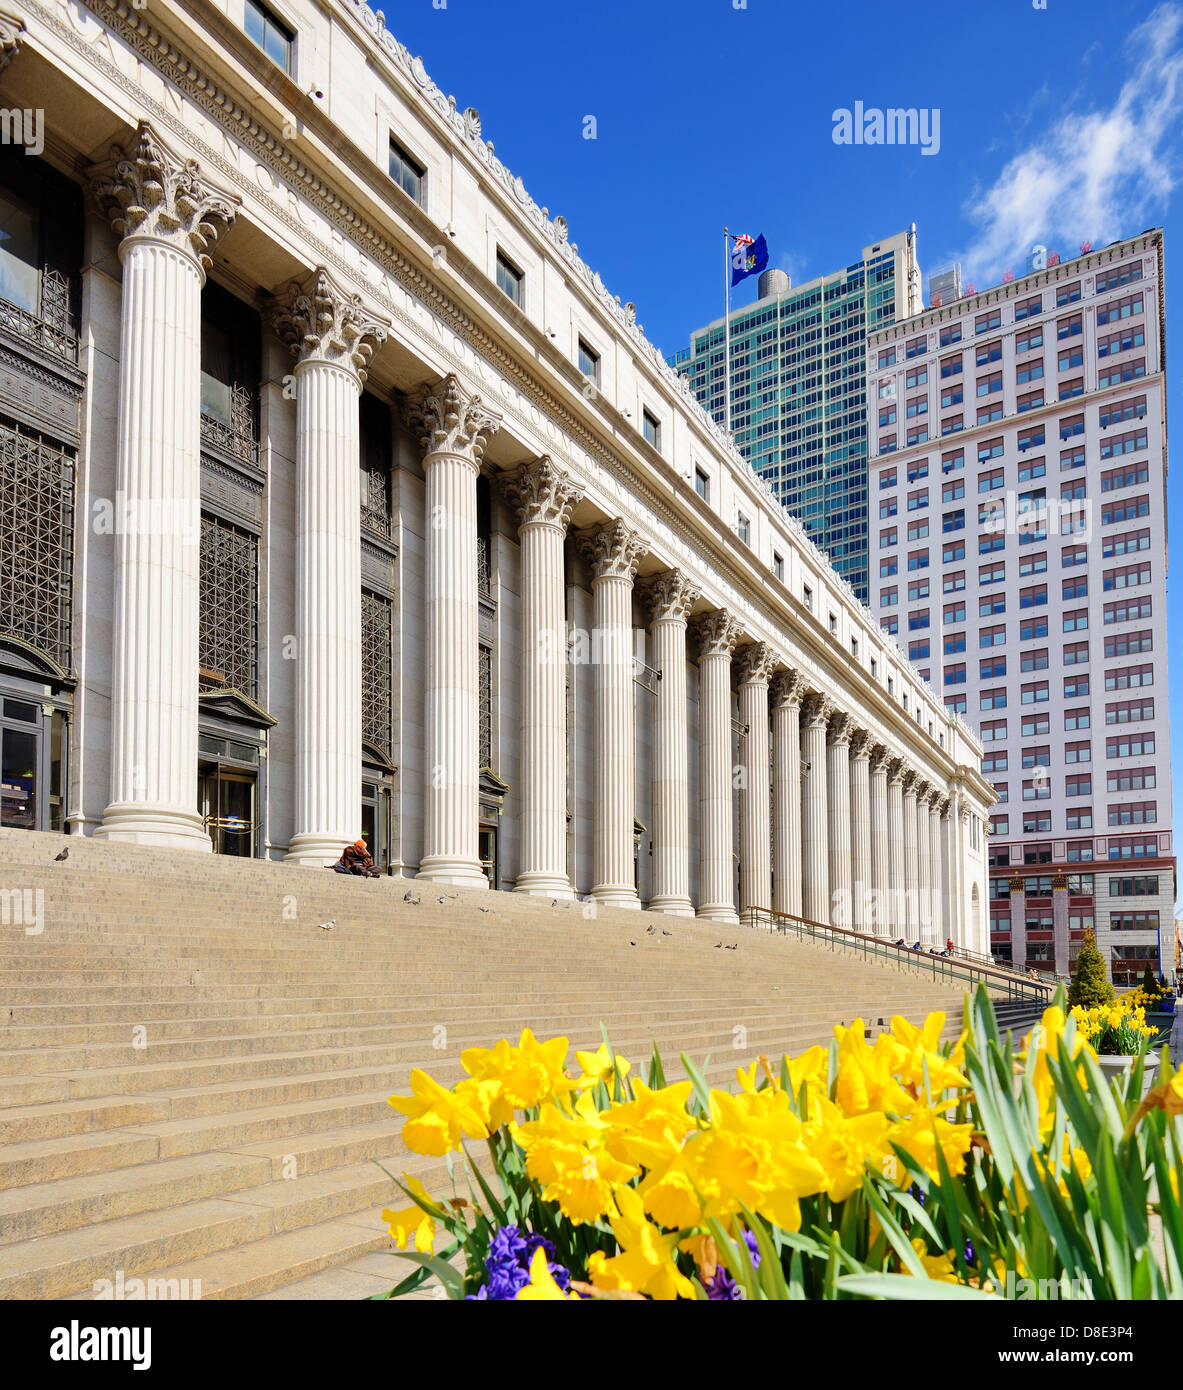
x=956 y=970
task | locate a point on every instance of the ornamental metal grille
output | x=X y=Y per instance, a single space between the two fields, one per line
x=375 y=504
x=228 y=653
x=486 y=696
x=377 y=704
x=36 y=541
x=484 y=573
x=239 y=438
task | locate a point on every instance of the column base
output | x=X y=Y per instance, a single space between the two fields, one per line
x=144 y=823
x=540 y=885
x=610 y=896
x=316 y=851
x=720 y=912
x=671 y=905
x=456 y=872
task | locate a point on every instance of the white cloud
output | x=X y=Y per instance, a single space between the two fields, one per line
x=1094 y=175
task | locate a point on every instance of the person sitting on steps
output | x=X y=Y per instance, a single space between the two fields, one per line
x=355 y=859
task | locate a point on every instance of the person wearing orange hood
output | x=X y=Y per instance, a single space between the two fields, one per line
x=356 y=859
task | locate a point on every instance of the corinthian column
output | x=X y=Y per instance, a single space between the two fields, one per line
x=815 y=815
x=785 y=696
x=169 y=218
x=924 y=794
x=911 y=897
x=544 y=499
x=838 y=768
x=880 y=854
x=716 y=633
x=671 y=596
x=332 y=338
x=756 y=664
x=936 y=811
x=613 y=551
x=896 y=900
x=12 y=29
x=860 y=830
x=454 y=426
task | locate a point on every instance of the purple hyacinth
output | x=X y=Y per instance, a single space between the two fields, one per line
x=722 y=1288
x=508 y=1265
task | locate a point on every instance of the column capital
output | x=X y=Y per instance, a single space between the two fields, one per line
x=897 y=771
x=840 y=730
x=670 y=596
x=756 y=664
x=12 y=28
x=716 y=633
x=448 y=418
x=816 y=709
x=1059 y=883
x=541 y=494
x=924 y=791
x=941 y=805
x=147 y=190
x=320 y=322
x=881 y=760
x=911 y=782
x=1016 y=884
x=787 y=690
x=963 y=813
x=860 y=746
x=612 y=550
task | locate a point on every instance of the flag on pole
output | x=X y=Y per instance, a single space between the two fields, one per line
x=748 y=257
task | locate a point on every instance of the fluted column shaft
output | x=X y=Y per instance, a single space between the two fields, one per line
x=613 y=552
x=924 y=866
x=786 y=760
x=716 y=634
x=454 y=427
x=543 y=497
x=1018 y=922
x=671 y=597
x=838 y=767
x=815 y=814
x=936 y=872
x=911 y=901
x=880 y=859
x=755 y=848
x=860 y=833
x=896 y=899
x=168 y=218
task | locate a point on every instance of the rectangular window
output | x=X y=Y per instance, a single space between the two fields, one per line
x=509 y=278
x=651 y=428
x=589 y=363
x=408 y=173
x=702 y=484
x=271 y=34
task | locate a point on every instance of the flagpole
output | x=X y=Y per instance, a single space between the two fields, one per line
x=727 y=329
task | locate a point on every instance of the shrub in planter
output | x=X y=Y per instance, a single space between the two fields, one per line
x=1090 y=986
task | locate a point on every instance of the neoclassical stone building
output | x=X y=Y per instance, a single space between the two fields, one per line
x=341 y=497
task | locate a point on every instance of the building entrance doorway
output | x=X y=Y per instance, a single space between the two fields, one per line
x=227 y=798
x=32 y=743
x=488 y=853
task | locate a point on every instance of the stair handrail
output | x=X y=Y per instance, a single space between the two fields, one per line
x=940 y=966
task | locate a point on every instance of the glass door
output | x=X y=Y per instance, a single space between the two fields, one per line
x=228 y=809
x=18 y=775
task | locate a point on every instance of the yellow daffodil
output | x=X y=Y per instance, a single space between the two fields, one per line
x=646 y=1262
x=938 y=1267
x=438 y=1119
x=920 y=1135
x=542 y=1287
x=600 y=1065
x=412 y=1221
x=844 y=1145
x=567 y=1154
x=528 y=1074
x=866 y=1075
x=918 y=1052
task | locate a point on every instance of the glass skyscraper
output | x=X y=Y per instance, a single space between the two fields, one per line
x=798 y=388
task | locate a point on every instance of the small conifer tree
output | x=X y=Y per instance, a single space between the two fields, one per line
x=1089 y=986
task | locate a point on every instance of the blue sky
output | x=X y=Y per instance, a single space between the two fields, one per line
x=714 y=112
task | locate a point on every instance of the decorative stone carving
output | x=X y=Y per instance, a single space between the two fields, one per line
x=541 y=493
x=881 y=759
x=841 y=729
x=148 y=191
x=12 y=27
x=1016 y=884
x=897 y=771
x=450 y=419
x=756 y=664
x=860 y=744
x=716 y=633
x=612 y=550
x=670 y=596
x=816 y=710
x=320 y=322
x=787 y=690
x=911 y=782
